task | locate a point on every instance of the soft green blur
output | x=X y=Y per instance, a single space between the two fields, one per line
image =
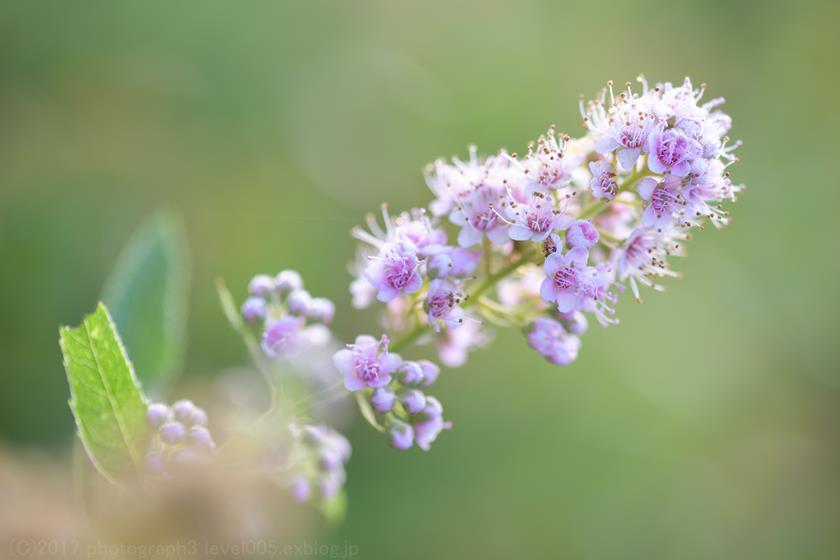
x=706 y=425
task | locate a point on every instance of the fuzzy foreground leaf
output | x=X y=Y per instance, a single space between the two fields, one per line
x=146 y=293
x=106 y=399
x=334 y=510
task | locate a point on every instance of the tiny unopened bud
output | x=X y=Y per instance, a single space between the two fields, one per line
x=200 y=437
x=172 y=432
x=254 y=309
x=262 y=285
x=288 y=281
x=402 y=435
x=430 y=372
x=410 y=373
x=321 y=310
x=582 y=234
x=299 y=302
x=157 y=414
x=383 y=400
x=183 y=411
x=198 y=417
x=414 y=401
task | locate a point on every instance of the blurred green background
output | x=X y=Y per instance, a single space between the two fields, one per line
x=706 y=425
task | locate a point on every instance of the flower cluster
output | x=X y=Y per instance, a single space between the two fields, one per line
x=318 y=462
x=291 y=319
x=676 y=153
x=541 y=240
x=408 y=263
x=392 y=391
x=180 y=438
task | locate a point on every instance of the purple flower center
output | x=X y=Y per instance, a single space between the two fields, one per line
x=565 y=278
x=440 y=304
x=485 y=220
x=673 y=148
x=550 y=174
x=662 y=200
x=538 y=221
x=632 y=136
x=399 y=271
x=607 y=183
x=638 y=249
x=367 y=369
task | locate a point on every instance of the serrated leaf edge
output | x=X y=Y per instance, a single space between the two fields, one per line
x=72 y=401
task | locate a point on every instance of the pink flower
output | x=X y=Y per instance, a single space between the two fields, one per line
x=367 y=363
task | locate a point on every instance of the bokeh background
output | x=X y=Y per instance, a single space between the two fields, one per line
x=706 y=425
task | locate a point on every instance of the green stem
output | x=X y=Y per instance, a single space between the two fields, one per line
x=412 y=336
x=488 y=263
x=494 y=279
x=233 y=317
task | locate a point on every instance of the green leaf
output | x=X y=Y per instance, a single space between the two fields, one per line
x=105 y=396
x=147 y=293
x=367 y=411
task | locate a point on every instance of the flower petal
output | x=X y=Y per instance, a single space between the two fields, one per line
x=646 y=187
x=343 y=360
x=352 y=382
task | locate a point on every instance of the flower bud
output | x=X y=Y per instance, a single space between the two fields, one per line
x=261 y=285
x=402 y=435
x=200 y=437
x=429 y=424
x=254 y=309
x=383 y=400
x=282 y=336
x=582 y=234
x=288 y=281
x=575 y=322
x=439 y=266
x=299 y=302
x=183 y=411
x=410 y=373
x=430 y=372
x=172 y=432
x=321 y=310
x=157 y=414
x=414 y=401
x=198 y=417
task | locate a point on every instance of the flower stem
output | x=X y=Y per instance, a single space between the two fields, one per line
x=494 y=279
x=253 y=347
x=488 y=263
x=412 y=336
